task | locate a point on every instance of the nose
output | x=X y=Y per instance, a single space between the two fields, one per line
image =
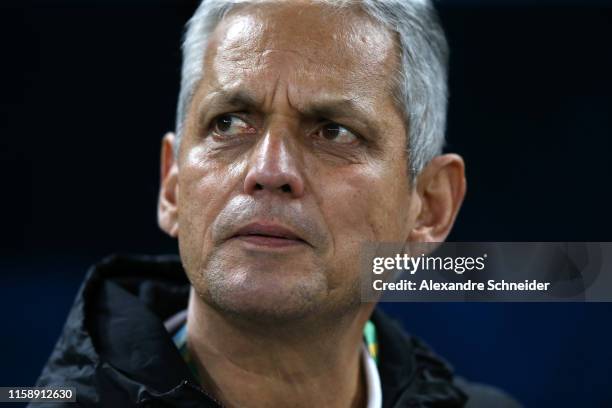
x=275 y=167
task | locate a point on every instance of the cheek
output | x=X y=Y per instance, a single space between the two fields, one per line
x=204 y=186
x=389 y=206
x=360 y=207
x=370 y=205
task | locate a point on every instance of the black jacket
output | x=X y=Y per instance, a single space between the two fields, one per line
x=117 y=353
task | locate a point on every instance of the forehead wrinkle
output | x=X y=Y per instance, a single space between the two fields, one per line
x=344 y=34
x=249 y=60
x=275 y=65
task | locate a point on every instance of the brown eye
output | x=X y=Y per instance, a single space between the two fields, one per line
x=230 y=125
x=337 y=134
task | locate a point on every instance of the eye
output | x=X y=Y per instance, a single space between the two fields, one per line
x=337 y=133
x=230 y=125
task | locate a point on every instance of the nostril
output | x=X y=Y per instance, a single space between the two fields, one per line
x=286 y=188
x=258 y=186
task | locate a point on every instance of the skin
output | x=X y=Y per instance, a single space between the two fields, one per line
x=293 y=125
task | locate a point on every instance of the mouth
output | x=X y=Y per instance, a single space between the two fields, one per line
x=268 y=235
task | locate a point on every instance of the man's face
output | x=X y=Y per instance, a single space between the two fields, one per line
x=292 y=156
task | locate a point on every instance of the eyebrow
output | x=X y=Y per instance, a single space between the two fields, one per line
x=233 y=100
x=328 y=108
x=343 y=108
x=332 y=108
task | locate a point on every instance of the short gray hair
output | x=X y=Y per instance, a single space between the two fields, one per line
x=421 y=81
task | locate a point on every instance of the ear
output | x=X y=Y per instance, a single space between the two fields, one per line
x=167 y=205
x=440 y=188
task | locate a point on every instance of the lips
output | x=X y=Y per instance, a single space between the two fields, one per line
x=270 y=235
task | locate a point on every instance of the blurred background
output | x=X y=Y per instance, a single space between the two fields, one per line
x=89 y=88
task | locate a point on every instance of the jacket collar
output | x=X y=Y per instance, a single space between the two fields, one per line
x=411 y=374
x=125 y=300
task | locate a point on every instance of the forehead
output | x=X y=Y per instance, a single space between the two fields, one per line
x=310 y=47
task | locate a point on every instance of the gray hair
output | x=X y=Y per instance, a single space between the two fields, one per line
x=421 y=81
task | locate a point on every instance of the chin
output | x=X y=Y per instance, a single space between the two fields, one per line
x=264 y=289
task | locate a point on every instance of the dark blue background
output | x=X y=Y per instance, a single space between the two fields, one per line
x=89 y=88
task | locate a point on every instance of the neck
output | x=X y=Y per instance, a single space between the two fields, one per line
x=307 y=363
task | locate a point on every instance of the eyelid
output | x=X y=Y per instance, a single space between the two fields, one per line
x=360 y=139
x=243 y=125
x=358 y=136
x=234 y=115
